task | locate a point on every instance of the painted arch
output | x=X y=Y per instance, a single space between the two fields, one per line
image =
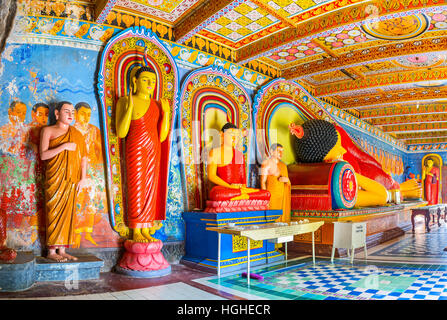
x=121 y=57
x=209 y=97
x=276 y=105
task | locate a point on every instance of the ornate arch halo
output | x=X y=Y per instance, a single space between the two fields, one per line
x=275 y=95
x=123 y=54
x=203 y=89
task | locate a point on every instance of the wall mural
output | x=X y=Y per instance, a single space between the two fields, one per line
x=70 y=43
x=29 y=90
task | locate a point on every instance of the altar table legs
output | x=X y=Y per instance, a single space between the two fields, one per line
x=426 y=214
x=248 y=261
x=218 y=254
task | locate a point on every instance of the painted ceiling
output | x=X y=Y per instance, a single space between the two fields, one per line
x=384 y=61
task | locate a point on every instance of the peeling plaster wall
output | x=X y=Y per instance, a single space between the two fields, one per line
x=8 y=10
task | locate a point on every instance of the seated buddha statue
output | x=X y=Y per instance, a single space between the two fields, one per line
x=321 y=141
x=226 y=169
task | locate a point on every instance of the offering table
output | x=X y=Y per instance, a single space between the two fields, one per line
x=201 y=243
x=266 y=231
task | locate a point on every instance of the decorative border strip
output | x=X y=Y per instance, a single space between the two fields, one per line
x=106 y=10
x=51 y=31
x=423 y=148
x=172 y=17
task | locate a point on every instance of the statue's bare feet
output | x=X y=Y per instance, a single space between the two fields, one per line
x=88 y=237
x=56 y=257
x=68 y=256
x=138 y=236
x=147 y=233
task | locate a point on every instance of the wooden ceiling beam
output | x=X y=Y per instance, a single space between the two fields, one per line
x=409 y=119
x=102 y=9
x=375 y=55
x=201 y=17
x=286 y=21
x=381 y=80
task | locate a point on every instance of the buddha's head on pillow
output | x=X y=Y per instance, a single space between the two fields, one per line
x=317 y=140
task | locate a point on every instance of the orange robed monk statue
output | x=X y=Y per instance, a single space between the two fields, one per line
x=145 y=125
x=275 y=178
x=63 y=149
x=226 y=169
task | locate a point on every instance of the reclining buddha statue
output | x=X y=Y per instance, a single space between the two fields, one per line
x=321 y=141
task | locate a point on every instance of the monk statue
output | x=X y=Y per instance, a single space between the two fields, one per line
x=63 y=149
x=430 y=176
x=226 y=169
x=321 y=141
x=145 y=124
x=275 y=179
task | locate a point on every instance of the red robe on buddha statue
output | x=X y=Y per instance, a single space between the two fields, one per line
x=363 y=163
x=234 y=173
x=431 y=185
x=143 y=157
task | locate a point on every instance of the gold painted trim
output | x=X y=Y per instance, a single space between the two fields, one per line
x=310 y=187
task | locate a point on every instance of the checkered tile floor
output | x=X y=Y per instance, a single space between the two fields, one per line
x=363 y=282
x=412 y=267
x=420 y=247
x=341 y=280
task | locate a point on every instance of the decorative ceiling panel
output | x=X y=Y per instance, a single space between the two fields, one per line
x=170 y=11
x=294 y=53
x=323 y=78
x=241 y=22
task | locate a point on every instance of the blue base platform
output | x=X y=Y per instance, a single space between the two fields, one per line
x=27 y=269
x=201 y=245
x=87 y=267
x=18 y=275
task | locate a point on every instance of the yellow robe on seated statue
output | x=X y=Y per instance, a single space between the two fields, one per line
x=63 y=172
